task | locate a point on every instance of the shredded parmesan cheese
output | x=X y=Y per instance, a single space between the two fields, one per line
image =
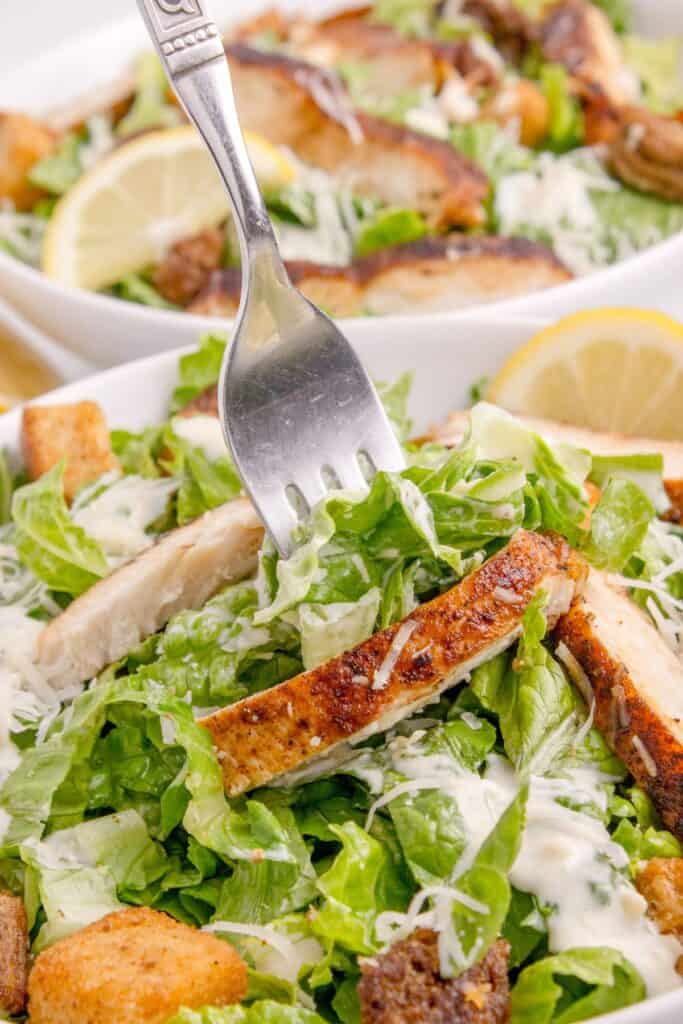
x=383 y=673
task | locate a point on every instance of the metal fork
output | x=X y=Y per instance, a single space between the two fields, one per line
x=297 y=407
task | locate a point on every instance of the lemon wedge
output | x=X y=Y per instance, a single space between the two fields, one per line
x=131 y=206
x=616 y=370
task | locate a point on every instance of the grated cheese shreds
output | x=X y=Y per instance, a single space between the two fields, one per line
x=383 y=673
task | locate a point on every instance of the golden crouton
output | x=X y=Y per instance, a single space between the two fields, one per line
x=661 y=883
x=136 y=966
x=23 y=142
x=77 y=433
x=13 y=954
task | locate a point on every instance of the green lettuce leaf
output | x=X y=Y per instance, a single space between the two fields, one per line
x=49 y=543
x=619 y=523
x=265 y=1012
x=60 y=170
x=535 y=703
x=357 y=887
x=646 y=471
x=137 y=288
x=259 y=891
x=411 y=17
x=389 y=228
x=566 y=127
x=657 y=63
x=544 y=994
x=198 y=370
x=6 y=489
x=394 y=397
x=79 y=871
x=151 y=106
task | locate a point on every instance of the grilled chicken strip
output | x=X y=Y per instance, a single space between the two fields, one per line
x=404 y=986
x=13 y=955
x=647 y=153
x=304 y=107
x=394 y=63
x=510 y=29
x=435 y=274
x=395 y=672
x=637 y=684
x=187 y=268
x=578 y=35
x=453 y=430
x=182 y=571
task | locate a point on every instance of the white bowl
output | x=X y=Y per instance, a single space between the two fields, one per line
x=446 y=358
x=108 y=331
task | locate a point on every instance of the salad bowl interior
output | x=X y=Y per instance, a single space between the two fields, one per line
x=107 y=331
x=446 y=358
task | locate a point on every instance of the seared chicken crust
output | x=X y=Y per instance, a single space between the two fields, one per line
x=578 y=35
x=304 y=107
x=369 y=688
x=187 y=267
x=434 y=274
x=13 y=954
x=637 y=686
x=181 y=571
x=404 y=986
x=136 y=966
x=647 y=153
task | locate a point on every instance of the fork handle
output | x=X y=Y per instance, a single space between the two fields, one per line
x=191 y=50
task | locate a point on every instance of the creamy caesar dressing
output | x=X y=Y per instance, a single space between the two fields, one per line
x=329 y=240
x=570 y=863
x=119 y=516
x=203 y=432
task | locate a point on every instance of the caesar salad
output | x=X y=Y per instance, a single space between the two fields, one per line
x=427 y=768
x=415 y=156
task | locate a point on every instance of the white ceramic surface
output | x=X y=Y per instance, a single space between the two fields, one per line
x=446 y=359
x=107 y=331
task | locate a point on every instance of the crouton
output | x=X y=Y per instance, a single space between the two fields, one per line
x=77 y=433
x=23 y=142
x=404 y=986
x=661 y=883
x=186 y=270
x=13 y=954
x=136 y=966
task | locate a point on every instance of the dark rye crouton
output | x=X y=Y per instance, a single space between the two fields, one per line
x=404 y=986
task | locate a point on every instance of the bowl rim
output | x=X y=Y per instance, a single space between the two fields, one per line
x=137 y=316
x=154 y=368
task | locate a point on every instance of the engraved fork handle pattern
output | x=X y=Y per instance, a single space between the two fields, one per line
x=191 y=50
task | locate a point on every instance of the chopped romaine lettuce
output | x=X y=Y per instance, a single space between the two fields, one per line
x=389 y=228
x=152 y=106
x=566 y=128
x=136 y=288
x=62 y=169
x=411 y=17
x=199 y=370
x=658 y=63
x=6 y=489
x=49 y=542
x=547 y=991
x=264 y=1012
x=619 y=523
x=537 y=709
